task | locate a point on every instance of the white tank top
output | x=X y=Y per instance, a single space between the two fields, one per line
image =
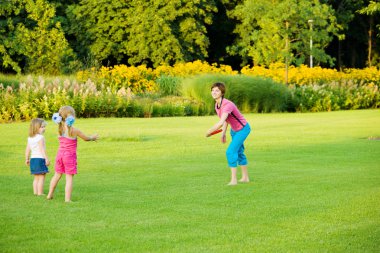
x=35 y=147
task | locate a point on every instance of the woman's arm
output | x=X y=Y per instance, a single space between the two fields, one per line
x=224 y=130
x=218 y=125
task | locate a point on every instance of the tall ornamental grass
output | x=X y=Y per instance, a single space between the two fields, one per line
x=250 y=94
x=169 y=85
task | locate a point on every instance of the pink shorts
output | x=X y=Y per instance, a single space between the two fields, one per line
x=66 y=162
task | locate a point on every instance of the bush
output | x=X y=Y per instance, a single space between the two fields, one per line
x=303 y=75
x=250 y=94
x=345 y=95
x=40 y=99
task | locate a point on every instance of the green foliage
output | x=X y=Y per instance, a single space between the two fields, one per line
x=343 y=95
x=371 y=9
x=272 y=31
x=30 y=36
x=43 y=44
x=157 y=32
x=60 y=37
x=9 y=80
x=10 y=14
x=42 y=98
x=250 y=94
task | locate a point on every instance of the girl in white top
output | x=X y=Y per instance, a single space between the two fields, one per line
x=36 y=150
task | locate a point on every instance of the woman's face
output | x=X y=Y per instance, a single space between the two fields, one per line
x=216 y=93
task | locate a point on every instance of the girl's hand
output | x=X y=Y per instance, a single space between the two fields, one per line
x=223 y=139
x=94 y=137
x=27 y=162
x=47 y=162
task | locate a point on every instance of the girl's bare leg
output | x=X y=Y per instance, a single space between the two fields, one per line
x=53 y=183
x=40 y=184
x=35 y=185
x=233 y=177
x=244 y=172
x=69 y=187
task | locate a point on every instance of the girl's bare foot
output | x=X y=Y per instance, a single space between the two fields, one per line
x=49 y=197
x=232 y=183
x=244 y=180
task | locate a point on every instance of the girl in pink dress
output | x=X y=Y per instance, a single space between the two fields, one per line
x=66 y=160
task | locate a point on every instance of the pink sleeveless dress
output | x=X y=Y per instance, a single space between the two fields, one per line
x=66 y=160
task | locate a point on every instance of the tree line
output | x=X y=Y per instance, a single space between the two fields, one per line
x=60 y=37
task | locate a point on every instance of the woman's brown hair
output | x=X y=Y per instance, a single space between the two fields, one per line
x=220 y=86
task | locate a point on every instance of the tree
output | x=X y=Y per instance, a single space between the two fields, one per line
x=9 y=10
x=346 y=49
x=267 y=25
x=142 y=32
x=220 y=34
x=370 y=10
x=33 y=39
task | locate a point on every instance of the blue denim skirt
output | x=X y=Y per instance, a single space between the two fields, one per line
x=38 y=166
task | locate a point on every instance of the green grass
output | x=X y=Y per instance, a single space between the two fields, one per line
x=158 y=185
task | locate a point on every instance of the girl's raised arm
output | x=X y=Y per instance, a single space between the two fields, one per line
x=78 y=132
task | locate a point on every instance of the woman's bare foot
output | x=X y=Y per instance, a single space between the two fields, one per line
x=244 y=180
x=49 y=197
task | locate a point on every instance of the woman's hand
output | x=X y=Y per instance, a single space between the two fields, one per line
x=223 y=138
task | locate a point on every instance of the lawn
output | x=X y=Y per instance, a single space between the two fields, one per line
x=158 y=185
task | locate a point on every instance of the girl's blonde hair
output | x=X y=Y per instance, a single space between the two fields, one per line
x=64 y=112
x=35 y=126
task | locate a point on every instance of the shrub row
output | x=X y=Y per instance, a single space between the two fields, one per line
x=344 y=95
x=180 y=97
x=34 y=99
x=141 y=79
x=304 y=75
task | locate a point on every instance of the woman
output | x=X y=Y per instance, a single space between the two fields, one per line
x=229 y=114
